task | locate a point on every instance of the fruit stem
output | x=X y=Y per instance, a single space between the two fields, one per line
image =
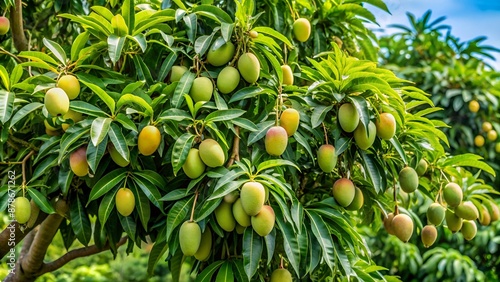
x=23 y=167
x=194 y=205
x=235 y=155
x=326 y=135
x=281 y=262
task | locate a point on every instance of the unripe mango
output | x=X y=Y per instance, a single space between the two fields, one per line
x=363 y=139
x=240 y=229
x=289 y=120
x=193 y=167
x=453 y=221
x=327 y=159
x=70 y=85
x=474 y=106
x=487 y=126
x=281 y=275
x=467 y=210
x=71 y=115
x=177 y=72
x=276 y=140
x=343 y=191
x=116 y=157
x=202 y=89
x=263 y=222
x=435 y=214
x=205 y=245
x=252 y=197
x=402 y=225
x=408 y=179
x=358 y=200
x=211 y=153
x=388 y=223
x=22 y=209
x=492 y=209
x=484 y=216
x=421 y=167
x=232 y=197
x=429 y=235
x=125 y=201
x=241 y=217
x=149 y=140
x=189 y=238
x=228 y=80
x=249 y=67
x=452 y=194
x=52 y=132
x=469 y=229
x=224 y=216
x=50 y=127
x=386 y=126
x=253 y=34
x=287 y=75
x=4 y=25
x=78 y=162
x=35 y=211
x=301 y=29
x=56 y=102
x=348 y=117
x=222 y=55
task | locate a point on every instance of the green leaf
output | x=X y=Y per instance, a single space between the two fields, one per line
x=202 y=44
x=129 y=99
x=99 y=129
x=126 y=122
x=150 y=190
x=320 y=231
x=245 y=124
x=191 y=24
x=102 y=94
x=23 y=112
x=41 y=201
x=274 y=163
x=182 y=88
x=207 y=273
x=263 y=127
x=248 y=92
x=38 y=57
x=177 y=214
x=107 y=182
x=106 y=207
x=78 y=44
x=141 y=205
x=290 y=241
x=271 y=32
x=395 y=142
x=6 y=105
x=223 y=115
x=166 y=66
x=212 y=12
x=181 y=149
x=128 y=225
x=225 y=273
x=207 y=209
x=318 y=115
x=159 y=249
x=128 y=13
x=174 y=114
x=80 y=222
x=4 y=75
x=115 y=47
x=86 y=108
x=119 y=141
x=44 y=166
x=56 y=50
x=371 y=168
x=252 y=251
x=142 y=69
x=95 y=154
x=72 y=135
x=16 y=75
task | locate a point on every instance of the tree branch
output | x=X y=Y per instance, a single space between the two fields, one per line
x=74 y=254
x=235 y=155
x=28 y=241
x=18 y=36
x=18 y=234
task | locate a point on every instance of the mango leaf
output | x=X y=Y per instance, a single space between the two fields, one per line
x=6 y=105
x=107 y=182
x=252 y=251
x=95 y=153
x=118 y=140
x=167 y=66
x=207 y=273
x=23 y=112
x=128 y=13
x=177 y=214
x=38 y=57
x=56 y=50
x=115 y=47
x=290 y=241
x=129 y=99
x=271 y=32
x=78 y=44
x=106 y=207
x=4 y=75
x=80 y=222
x=159 y=249
x=202 y=44
x=182 y=88
x=223 y=115
x=141 y=205
x=41 y=201
x=225 y=273
x=99 y=129
x=320 y=231
x=102 y=94
x=86 y=108
x=181 y=149
x=274 y=163
x=319 y=114
x=212 y=12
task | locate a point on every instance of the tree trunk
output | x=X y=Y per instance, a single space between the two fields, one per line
x=18 y=36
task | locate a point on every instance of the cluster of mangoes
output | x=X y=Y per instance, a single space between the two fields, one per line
x=4 y=25
x=490 y=134
x=277 y=136
x=209 y=153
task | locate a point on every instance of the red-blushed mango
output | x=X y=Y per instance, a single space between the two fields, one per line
x=231 y=197
x=469 y=229
x=221 y=55
x=287 y=75
x=211 y=153
x=224 y=216
x=276 y=140
x=78 y=162
x=116 y=157
x=263 y=222
x=241 y=217
x=435 y=214
x=327 y=159
x=253 y=34
x=484 y=216
x=365 y=139
x=125 y=201
x=421 y=167
x=252 y=197
x=343 y=191
x=281 y=275
x=193 y=167
x=301 y=29
x=149 y=140
x=388 y=223
x=429 y=235
x=386 y=126
x=467 y=210
x=203 y=252
x=289 y=120
x=228 y=79
x=402 y=225
x=452 y=194
x=358 y=200
x=249 y=67
x=492 y=210
x=71 y=115
x=177 y=72
x=56 y=102
x=189 y=238
x=202 y=89
x=408 y=179
x=4 y=25
x=22 y=209
x=70 y=85
x=453 y=221
x=348 y=117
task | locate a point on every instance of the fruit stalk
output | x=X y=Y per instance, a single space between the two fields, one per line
x=194 y=205
x=235 y=155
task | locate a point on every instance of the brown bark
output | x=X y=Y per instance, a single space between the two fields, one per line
x=18 y=36
x=18 y=234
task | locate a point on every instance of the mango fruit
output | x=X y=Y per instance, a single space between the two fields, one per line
x=327 y=159
x=116 y=157
x=408 y=179
x=469 y=229
x=253 y=34
x=202 y=89
x=435 y=214
x=221 y=55
x=211 y=153
x=252 y=197
x=22 y=209
x=493 y=210
x=4 y=25
x=70 y=85
x=193 y=167
x=486 y=126
x=249 y=67
x=125 y=201
x=365 y=139
x=492 y=135
x=263 y=222
x=484 y=216
x=240 y=229
x=348 y=117
x=241 y=217
x=203 y=252
x=386 y=126
x=281 y=275
x=228 y=80
x=474 y=106
x=276 y=140
x=71 y=115
x=78 y=162
x=429 y=235
x=301 y=29
x=453 y=221
x=289 y=120
x=177 y=72
x=189 y=238
x=357 y=202
x=467 y=210
x=149 y=140
x=421 y=167
x=343 y=191
x=452 y=194
x=287 y=75
x=231 y=197
x=224 y=216
x=56 y=102
x=48 y=124
x=402 y=225
x=388 y=223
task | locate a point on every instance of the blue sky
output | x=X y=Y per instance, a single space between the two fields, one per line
x=468 y=18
